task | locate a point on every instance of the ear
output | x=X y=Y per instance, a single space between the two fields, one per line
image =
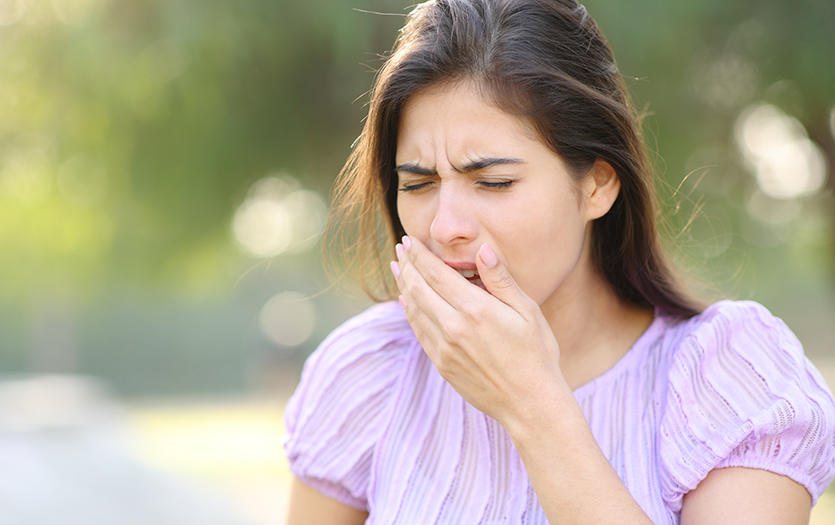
x=602 y=188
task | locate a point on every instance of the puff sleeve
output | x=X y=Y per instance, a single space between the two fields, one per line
x=741 y=393
x=340 y=408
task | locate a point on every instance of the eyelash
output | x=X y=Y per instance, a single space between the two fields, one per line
x=498 y=184
x=413 y=187
x=483 y=183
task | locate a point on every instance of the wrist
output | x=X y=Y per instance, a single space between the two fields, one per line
x=551 y=411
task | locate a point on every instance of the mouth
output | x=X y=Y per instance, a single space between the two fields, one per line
x=471 y=276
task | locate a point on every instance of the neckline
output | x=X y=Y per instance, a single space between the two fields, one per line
x=659 y=322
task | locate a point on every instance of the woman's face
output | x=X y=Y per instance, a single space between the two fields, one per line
x=469 y=173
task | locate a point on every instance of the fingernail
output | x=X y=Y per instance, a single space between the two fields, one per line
x=398 y=249
x=488 y=256
x=407 y=242
x=402 y=301
x=395 y=269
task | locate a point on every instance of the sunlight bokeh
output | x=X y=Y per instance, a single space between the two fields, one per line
x=278 y=216
x=777 y=148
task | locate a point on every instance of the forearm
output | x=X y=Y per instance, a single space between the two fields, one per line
x=573 y=480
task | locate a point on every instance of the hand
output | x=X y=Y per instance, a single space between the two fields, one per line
x=496 y=349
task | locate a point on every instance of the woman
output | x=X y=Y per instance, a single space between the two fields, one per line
x=542 y=365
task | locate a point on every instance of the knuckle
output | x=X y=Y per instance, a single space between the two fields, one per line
x=419 y=335
x=477 y=310
x=446 y=361
x=424 y=341
x=412 y=313
x=416 y=293
x=442 y=367
x=504 y=281
x=414 y=316
x=432 y=276
x=453 y=332
x=468 y=306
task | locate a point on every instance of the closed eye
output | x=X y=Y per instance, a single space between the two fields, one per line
x=414 y=187
x=496 y=184
x=488 y=184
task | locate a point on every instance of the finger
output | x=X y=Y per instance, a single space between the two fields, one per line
x=416 y=289
x=425 y=329
x=428 y=312
x=446 y=282
x=497 y=279
x=418 y=293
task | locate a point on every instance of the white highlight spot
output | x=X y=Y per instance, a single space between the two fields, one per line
x=262 y=228
x=777 y=149
x=307 y=212
x=768 y=210
x=287 y=319
x=278 y=216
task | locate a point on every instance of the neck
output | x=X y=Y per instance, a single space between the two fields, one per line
x=593 y=326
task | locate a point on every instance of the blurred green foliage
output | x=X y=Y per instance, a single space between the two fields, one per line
x=130 y=131
x=183 y=105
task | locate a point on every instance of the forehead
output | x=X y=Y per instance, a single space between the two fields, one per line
x=459 y=119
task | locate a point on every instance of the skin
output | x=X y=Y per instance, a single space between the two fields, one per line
x=479 y=190
x=309 y=507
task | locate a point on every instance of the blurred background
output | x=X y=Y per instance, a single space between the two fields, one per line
x=165 y=169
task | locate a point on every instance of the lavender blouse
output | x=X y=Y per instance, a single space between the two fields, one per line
x=374 y=426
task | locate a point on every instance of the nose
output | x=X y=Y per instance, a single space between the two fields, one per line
x=454 y=222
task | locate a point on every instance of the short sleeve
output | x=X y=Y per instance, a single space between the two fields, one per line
x=340 y=408
x=742 y=394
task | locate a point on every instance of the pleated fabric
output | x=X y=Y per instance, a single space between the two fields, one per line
x=374 y=426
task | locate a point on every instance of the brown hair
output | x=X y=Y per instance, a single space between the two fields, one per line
x=541 y=60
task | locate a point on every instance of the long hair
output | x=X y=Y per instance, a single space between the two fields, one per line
x=544 y=61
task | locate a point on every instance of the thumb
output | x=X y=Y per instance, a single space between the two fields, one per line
x=497 y=278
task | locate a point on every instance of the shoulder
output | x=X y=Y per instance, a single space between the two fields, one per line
x=380 y=327
x=743 y=330
x=733 y=318
x=742 y=393
x=340 y=408
x=360 y=357
x=372 y=341
x=745 y=350
x=741 y=354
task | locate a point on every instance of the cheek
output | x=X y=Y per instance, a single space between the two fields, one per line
x=411 y=219
x=543 y=249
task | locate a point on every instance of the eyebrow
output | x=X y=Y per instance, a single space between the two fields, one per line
x=473 y=166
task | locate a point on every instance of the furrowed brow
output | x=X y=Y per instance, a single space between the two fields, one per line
x=482 y=164
x=415 y=170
